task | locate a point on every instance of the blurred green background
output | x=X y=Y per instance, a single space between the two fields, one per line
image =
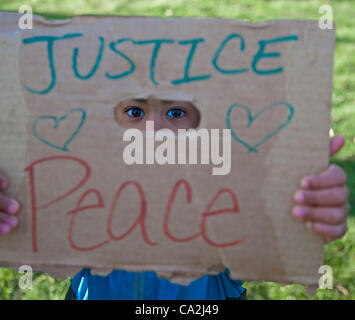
x=340 y=255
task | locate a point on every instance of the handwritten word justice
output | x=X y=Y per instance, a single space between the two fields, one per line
x=142 y=211
x=52 y=41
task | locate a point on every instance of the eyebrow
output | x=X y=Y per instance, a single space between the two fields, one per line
x=140 y=100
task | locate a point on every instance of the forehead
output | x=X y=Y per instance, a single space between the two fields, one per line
x=155 y=101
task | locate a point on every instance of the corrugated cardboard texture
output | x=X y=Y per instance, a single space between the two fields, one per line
x=62 y=149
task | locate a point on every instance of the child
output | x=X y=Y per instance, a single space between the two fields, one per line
x=321 y=202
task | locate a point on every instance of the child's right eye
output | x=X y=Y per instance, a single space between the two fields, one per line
x=135 y=112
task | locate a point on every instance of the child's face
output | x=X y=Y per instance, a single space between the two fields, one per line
x=165 y=114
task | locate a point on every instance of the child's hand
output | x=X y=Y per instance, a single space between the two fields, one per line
x=322 y=201
x=8 y=208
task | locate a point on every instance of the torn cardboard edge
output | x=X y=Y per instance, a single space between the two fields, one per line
x=184 y=277
x=41 y=19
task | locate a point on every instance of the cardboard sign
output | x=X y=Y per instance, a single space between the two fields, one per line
x=269 y=85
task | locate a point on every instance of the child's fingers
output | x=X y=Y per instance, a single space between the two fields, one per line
x=328 y=215
x=8 y=204
x=4 y=228
x=336 y=143
x=334 y=176
x=327 y=231
x=10 y=220
x=324 y=197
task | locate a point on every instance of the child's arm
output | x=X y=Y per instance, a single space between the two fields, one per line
x=9 y=207
x=322 y=201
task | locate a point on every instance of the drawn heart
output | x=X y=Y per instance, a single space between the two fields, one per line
x=57 y=121
x=251 y=120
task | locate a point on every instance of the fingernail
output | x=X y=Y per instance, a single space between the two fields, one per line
x=13 y=207
x=299 y=196
x=4 y=228
x=298 y=212
x=12 y=221
x=305 y=183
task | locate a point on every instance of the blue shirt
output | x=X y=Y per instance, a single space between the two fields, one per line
x=124 y=285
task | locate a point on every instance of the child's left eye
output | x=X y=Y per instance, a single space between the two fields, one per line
x=176 y=113
x=135 y=112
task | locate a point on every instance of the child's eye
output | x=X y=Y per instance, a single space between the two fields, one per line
x=176 y=113
x=135 y=112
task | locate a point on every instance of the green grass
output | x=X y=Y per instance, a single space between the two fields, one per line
x=340 y=255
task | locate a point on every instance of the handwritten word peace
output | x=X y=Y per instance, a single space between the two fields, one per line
x=142 y=208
